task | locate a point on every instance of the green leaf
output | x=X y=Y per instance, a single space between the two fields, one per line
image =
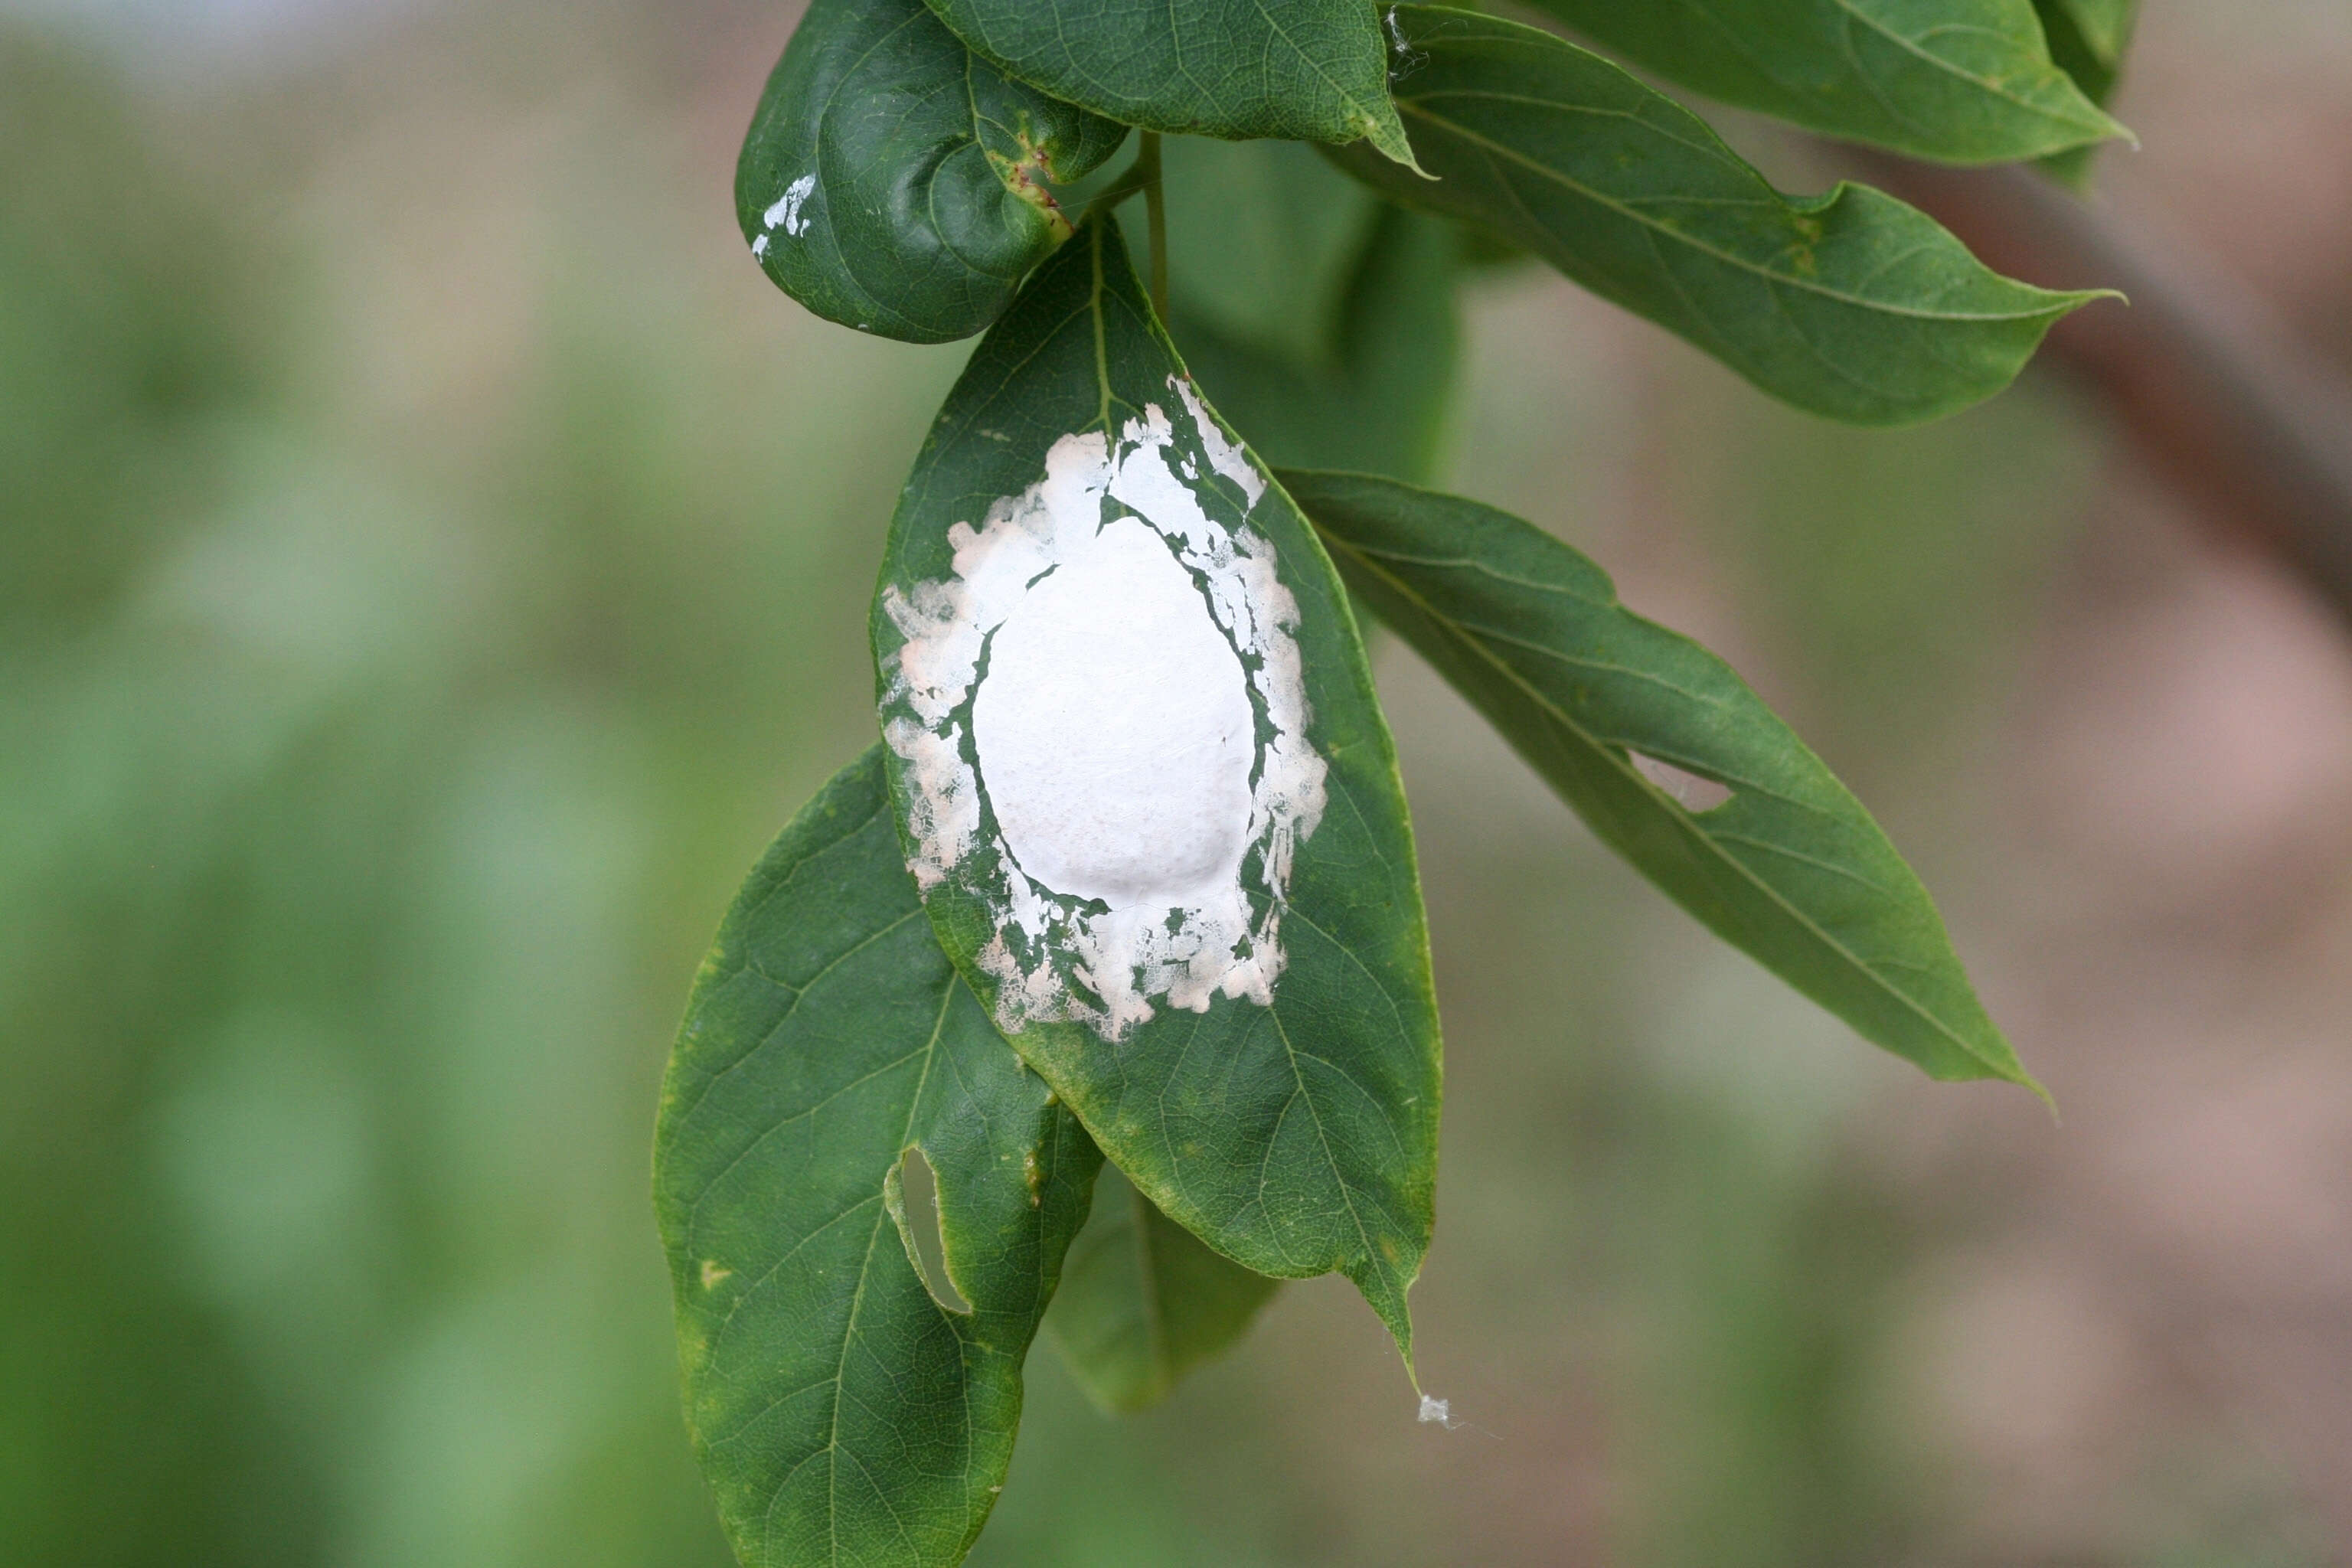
x=1142 y=1302
x=1305 y=70
x=1263 y=238
x=1964 y=81
x=2087 y=38
x=1789 y=868
x=840 y=1414
x=1230 y=983
x=1853 y=305
x=1320 y=320
x=1378 y=403
x=2104 y=26
x=894 y=183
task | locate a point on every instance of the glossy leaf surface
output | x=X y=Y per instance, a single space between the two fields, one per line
x=1142 y=1302
x=1964 y=81
x=1853 y=305
x=894 y=183
x=1309 y=71
x=1272 y=1082
x=1789 y=868
x=840 y=1413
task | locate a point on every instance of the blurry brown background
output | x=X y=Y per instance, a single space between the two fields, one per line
x=432 y=562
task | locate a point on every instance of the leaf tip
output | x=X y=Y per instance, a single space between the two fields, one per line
x=1384 y=1292
x=2027 y=1081
x=2114 y=130
x=1386 y=134
x=2077 y=298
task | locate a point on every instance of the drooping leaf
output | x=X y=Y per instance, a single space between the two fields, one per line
x=1376 y=403
x=1852 y=305
x=2087 y=38
x=1228 y=983
x=1142 y=1302
x=1339 y=359
x=2103 y=26
x=1309 y=71
x=894 y=183
x=1789 y=868
x=1963 y=81
x=1262 y=238
x=840 y=1413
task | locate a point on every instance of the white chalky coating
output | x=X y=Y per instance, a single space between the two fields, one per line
x=1141 y=729
x=785 y=213
x=1114 y=731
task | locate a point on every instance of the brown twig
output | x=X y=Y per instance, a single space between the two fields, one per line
x=2208 y=388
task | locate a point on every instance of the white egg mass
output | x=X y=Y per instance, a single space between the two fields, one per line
x=1114 y=731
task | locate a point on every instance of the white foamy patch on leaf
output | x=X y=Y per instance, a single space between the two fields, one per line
x=1115 y=672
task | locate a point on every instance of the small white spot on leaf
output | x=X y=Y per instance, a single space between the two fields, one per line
x=786 y=213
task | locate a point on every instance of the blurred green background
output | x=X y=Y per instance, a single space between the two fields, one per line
x=434 y=562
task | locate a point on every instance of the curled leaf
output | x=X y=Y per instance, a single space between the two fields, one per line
x=894 y=183
x=1142 y=1302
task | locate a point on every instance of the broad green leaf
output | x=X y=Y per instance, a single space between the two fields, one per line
x=1963 y=81
x=1142 y=1302
x=1789 y=868
x=1307 y=70
x=1262 y=238
x=1852 y=305
x=894 y=183
x=2087 y=40
x=2104 y=26
x=840 y=1414
x=1378 y=403
x=1182 y=880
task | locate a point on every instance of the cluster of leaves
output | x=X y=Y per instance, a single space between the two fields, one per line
x=912 y=171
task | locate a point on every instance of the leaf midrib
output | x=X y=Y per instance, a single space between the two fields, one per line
x=2057 y=302
x=856 y=1300
x=1994 y=89
x=1680 y=818
x=1416 y=104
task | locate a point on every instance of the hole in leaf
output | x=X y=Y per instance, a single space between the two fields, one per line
x=919 y=1190
x=1692 y=793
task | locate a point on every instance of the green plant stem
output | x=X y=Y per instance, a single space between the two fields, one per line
x=1143 y=174
x=1155 y=208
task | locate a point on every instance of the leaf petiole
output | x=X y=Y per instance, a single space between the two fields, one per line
x=1143 y=174
x=1155 y=208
